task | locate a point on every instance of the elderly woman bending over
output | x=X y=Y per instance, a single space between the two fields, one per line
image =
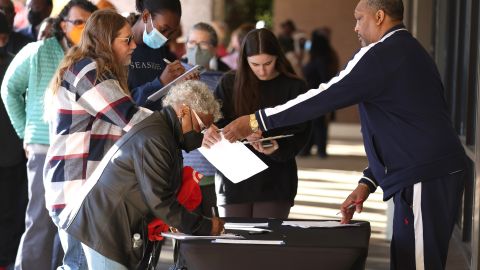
x=139 y=178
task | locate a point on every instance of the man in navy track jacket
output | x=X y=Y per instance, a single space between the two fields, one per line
x=414 y=154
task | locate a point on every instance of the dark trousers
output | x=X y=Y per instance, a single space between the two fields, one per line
x=423 y=222
x=271 y=209
x=209 y=199
x=39 y=246
x=13 y=202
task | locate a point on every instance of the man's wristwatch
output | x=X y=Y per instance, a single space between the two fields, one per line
x=253 y=123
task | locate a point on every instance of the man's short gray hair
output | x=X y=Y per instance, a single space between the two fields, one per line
x=205 y=27
x=393 y=8
x=196 y=95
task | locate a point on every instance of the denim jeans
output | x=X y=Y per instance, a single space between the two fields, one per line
x=74 y=258
x=97 y=261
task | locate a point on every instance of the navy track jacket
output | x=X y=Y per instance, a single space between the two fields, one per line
x=406 y=128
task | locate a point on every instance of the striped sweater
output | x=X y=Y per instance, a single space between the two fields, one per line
x=24 y=86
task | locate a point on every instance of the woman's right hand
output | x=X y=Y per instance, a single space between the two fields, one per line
x=171 y=72
x=217 y=226
x=211 y=136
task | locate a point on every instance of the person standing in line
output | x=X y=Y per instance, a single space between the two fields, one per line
x=413 y=151
x=13 y=170
x=25 y=83
x=321 y=67
x=148 y=71
x=236 y=41
x=201 y=48
x=264 y=78
x=89 y=108
x=46 y=29
x=12 y=42
x=38 y=10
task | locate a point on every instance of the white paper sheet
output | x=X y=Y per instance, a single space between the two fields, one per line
x=234 y=160
x=317 y=224
x=230 y=225
x=250 y=227
x=182 y=236
x=250 y=230
x=248 y=242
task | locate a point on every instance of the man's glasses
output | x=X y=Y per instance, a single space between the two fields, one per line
x=203 y=44
x=127 y=39
x=78 y=22
x=200 y=123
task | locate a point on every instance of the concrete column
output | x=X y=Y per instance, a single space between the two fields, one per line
x=422 y=26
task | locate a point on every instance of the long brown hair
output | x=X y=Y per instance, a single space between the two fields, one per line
x=246 y=87
x=96 y=43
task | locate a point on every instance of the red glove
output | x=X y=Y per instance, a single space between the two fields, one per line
x=155 y=229
x=189 y=195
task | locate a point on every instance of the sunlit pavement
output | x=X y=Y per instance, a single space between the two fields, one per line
x=325 y=183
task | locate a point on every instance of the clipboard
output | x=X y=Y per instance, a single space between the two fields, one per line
x=269 y=138
x=164 y=90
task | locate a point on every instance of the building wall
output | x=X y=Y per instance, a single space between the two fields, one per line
x=450 y=31
x=194 y=11
x=338 y=15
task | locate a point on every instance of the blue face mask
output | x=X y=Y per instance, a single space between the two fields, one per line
x=154 y=39
x=308 y=45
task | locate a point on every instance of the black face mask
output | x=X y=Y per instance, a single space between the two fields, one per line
x=35 y=18
x=192 y=139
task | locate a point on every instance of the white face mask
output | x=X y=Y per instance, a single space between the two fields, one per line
x=154 y=39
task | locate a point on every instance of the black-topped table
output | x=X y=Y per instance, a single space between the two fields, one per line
x=338 y=248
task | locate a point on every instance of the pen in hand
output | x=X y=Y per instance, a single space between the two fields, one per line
x=351 y=206
x=214 y=211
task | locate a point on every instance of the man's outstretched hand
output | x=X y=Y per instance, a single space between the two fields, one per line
x=356 y=198
x=238 y=129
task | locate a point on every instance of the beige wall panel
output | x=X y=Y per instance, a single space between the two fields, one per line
x=336 y=14
x=194 y=11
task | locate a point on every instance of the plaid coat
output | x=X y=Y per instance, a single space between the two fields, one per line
x=90 y=115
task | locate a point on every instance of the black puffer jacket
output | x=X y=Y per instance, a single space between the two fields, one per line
x=137 y=180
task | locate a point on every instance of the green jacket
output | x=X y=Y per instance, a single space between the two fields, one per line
x=24 y=85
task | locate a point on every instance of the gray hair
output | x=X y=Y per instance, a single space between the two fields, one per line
x=205 y=27
x=393 y=8
x=196 y=95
